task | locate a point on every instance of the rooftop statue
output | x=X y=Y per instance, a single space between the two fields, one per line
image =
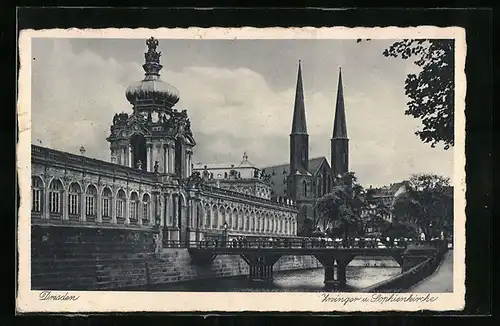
x=120 y=118
x=152 y=55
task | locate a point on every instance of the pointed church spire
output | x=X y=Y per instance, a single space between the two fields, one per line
x=299 y=125
x=339 y=124
x=340 y=142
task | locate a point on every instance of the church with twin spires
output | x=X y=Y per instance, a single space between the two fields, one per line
x=303 y=180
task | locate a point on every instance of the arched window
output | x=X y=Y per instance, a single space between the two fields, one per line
x=222 y=212
x=134 y=207
x=235 y=219
x=207 y=216
x=324 y=179
x=121 y=199
x=241 y=220
x=304 y=186
x=281 y=225
x=252 y=221
x=214 y=217
x=303 y=212
x=37 y=195
x=293 y=227
x=199 y=215
x=247 y=221
x=272 y=224
x=258 y=224
x=74 y=201
x=146 y=208
x=55 y=198
x=90 y=203
x=106 y=205
x=229 y=218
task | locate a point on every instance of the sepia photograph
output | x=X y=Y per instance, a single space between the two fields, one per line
x=254 y=164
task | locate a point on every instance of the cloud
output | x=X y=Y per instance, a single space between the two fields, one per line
x=75 y=95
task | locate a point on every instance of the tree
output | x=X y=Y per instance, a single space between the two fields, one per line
x=376 y=210
x=431 y=93
x=426 y=205
x=341 y=208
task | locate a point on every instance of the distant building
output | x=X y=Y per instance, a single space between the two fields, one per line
x=386 y=196
x=242 y=178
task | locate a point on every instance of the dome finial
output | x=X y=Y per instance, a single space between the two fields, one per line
x=152 y=58
x=152 y=88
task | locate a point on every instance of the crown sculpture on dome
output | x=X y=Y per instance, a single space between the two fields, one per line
x=152 y=57
x=152 y=90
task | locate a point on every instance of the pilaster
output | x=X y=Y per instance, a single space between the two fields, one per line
x=46 y=207
x=127 y=210
x=98 y=207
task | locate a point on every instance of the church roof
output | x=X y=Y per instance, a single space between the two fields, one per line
x=316 y=163
x=279 y=173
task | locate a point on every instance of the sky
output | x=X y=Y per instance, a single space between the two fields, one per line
x=239 y=95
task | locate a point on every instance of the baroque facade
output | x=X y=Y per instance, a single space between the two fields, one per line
x=151 y=182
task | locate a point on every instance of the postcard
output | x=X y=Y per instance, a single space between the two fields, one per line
x=241 y=169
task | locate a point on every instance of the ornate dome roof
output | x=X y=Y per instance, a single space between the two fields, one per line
x=152 y=88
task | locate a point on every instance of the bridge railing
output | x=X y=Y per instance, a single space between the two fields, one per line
x=286 y=243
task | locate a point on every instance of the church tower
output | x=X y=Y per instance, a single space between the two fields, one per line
x=299 y=178
x=155 y=137
x=339 y=141
x=299 y=139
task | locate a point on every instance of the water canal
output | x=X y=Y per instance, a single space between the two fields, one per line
x=310 y=280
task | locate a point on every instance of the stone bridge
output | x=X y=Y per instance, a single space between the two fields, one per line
x=261 y=256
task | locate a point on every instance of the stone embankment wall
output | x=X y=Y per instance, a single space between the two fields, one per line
x=407 y=279
x=174 y=265
x=77 y=258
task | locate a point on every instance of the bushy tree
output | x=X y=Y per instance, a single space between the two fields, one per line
x=432 y=91
x=341 y=208
x=426 y=205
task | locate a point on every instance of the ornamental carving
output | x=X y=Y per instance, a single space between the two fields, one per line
x=194 y=181
x=152 y=55
x=177 y=123
x=120 y=119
